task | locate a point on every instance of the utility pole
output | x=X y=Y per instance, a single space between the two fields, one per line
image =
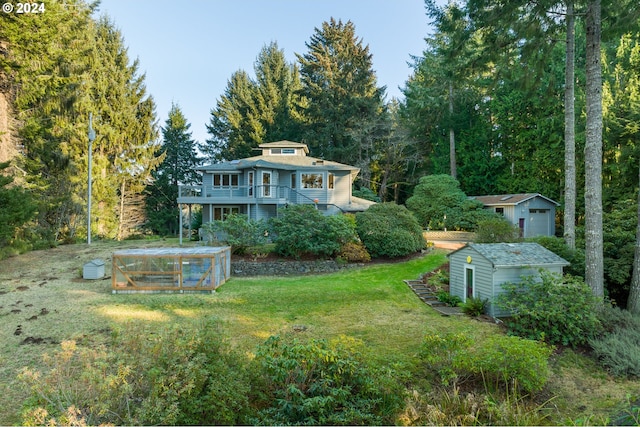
x=92 y=137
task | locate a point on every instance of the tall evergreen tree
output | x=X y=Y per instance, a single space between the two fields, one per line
x=594 y=266
x=16 y=207
x=340 y=86
x=177 y=168
x=255 y=111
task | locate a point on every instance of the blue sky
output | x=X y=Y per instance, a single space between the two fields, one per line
x=188 y=49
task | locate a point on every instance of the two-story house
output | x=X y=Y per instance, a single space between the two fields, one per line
x=283 y=174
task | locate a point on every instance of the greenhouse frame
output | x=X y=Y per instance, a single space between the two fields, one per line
x=172 y=270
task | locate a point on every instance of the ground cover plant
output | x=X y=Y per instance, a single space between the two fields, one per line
x=47 y=308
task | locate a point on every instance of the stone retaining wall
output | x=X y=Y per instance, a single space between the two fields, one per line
x=285 y=268
x=459 y=236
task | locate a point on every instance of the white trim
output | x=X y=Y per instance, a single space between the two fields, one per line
x=473 y=285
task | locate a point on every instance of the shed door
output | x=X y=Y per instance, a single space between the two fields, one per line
x=469 y=282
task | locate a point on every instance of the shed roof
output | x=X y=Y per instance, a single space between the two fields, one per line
x=510 y=199
x=516 y=254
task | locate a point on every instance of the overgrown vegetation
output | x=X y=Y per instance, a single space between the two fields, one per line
x=556 y=309
x=497 y=362
x=617 y=348
x=323 y=383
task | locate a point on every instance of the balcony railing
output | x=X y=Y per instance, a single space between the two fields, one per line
x=245 y=194
x=229 y=193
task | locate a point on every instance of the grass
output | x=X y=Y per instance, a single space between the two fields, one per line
x=43 y=297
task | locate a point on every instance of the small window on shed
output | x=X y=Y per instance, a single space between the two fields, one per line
x=500 y=211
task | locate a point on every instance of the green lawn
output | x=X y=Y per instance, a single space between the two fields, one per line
x=43 y=297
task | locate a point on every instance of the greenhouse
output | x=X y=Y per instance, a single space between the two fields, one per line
x=176 y=270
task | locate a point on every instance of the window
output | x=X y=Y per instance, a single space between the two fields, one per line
x=312 y=180
x=220 y=213
x=283 y=151
x=330 y=181
x=500 y=211
x=293 y=180
x=225 y=180
x=250 y=183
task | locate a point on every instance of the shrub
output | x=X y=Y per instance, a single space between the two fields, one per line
x=238 y=231
x=496 y=230
x=560 y=310
x=389 y=230
x=438 y=203
x=354 y=252
x=176 y=375
x=323 y=383
x=508 y=362
x=558 y=246
x=302 y=229
x=511 y=361
x=617 y=349
x=448 y=299
x=474 y=306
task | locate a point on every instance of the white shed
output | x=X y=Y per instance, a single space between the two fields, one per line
x=479 y=269
x=94 y=269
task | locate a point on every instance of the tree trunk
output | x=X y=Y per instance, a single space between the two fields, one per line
x=633 y=302
x=594 y=268
x=570 y=134
x=452 y=136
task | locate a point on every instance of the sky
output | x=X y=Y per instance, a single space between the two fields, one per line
x=188 y=49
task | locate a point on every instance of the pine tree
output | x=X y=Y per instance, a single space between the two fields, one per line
x=251 y=112
x=177 y=168
x=340 y=86
x=16 y=207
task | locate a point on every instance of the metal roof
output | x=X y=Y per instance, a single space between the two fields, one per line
x=515 y=254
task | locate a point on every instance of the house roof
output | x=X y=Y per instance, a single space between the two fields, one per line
x=285 y=144
x=510 y=199
x=515 y=254
x=279 y=161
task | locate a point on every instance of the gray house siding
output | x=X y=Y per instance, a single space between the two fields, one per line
x=534 y=214
x=494 y=264
x=259 y=186
x=482 y=272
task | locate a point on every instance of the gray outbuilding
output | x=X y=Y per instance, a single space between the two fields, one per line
x=533 y=213
x=93 y=270
x=479 y=269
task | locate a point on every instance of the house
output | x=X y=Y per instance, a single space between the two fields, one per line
x=479 y=269
x=283 y=174
x=533 y=213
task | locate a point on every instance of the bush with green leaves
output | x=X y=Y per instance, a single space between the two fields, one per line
x=389 y=230
x=238 y=231
x=502 y=361
x=558 y=246
x=439 y=203
x=173 y=376
x=302 y=229
x=496 y=230
x=323 y=383
x=617 y=349
x=474 y=306
x=448 y=299
x=553 y=308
